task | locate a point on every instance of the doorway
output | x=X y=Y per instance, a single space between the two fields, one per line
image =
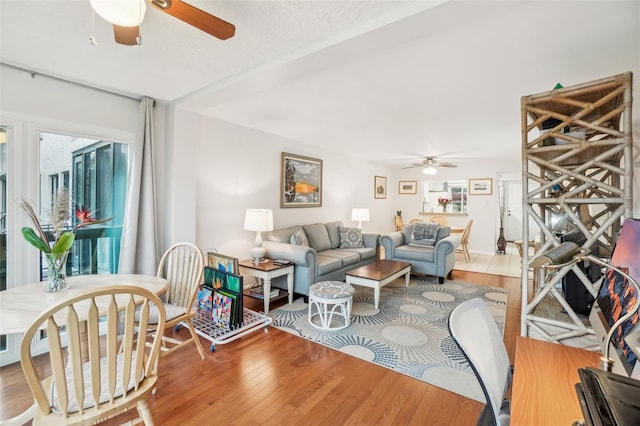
x=513 y=200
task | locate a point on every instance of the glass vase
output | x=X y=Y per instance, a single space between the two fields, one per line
x=56 y=272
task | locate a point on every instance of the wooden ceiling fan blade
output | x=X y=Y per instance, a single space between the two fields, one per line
x=126 y=35
x=453 y=166
x=196 y=17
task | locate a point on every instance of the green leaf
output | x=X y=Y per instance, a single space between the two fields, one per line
x=33 y=239
x=64 y=243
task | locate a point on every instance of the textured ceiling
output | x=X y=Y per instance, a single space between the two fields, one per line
x=387 y=80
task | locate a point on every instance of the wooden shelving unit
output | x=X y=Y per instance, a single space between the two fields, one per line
x=582 y=177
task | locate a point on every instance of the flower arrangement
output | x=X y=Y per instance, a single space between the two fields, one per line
x=63 y=240
x=56 y=251
x=444 y=202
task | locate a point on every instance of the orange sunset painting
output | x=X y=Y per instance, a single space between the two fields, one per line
x=301 y=181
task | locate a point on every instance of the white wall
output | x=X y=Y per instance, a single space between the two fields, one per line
x=239 y=168
x=483 y=209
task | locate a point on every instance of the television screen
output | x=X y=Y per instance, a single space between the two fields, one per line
x=616 y=296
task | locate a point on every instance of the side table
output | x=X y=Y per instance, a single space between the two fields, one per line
x=267 y=270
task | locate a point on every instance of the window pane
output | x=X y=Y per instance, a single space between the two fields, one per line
x=87 y=167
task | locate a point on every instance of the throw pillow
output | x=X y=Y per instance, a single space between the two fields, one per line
x=299 y=238
x=424 y=234
x=351 y=237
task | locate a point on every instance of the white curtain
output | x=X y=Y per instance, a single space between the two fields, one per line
x=138 y=249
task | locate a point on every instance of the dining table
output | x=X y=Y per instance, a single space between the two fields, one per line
x=20 y=306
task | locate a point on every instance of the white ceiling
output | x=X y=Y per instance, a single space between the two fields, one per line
x=389 y=80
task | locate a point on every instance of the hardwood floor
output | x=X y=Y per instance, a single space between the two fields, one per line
x=272 y=377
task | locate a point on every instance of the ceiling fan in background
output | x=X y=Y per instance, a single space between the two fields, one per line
x=127 y=15
x=429 y=165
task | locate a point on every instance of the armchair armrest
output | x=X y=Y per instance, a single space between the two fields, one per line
x=300 y=255
x=390 y=242
x=446 y=245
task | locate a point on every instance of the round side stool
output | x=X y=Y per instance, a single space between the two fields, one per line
x=329 y=298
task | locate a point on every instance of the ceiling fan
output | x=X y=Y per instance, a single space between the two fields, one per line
x=127 y=15
x=429 y=165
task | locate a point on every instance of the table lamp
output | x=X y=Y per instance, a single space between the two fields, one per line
x=568 y=253
x=258 y=220
x=359 y=215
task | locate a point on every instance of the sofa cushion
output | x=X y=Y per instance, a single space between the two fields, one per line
x=443 y=231
x=424 y=234
x=333 y=229
x=283 y=235
x=327 y=264
x=299 y=238
x=351 y=237
x=348 y=257
x=408 y=252
x=318 y=236
x=365 y=253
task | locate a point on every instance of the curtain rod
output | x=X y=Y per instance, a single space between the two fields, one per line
x=64 y=80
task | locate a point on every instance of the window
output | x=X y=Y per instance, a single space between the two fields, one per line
x=455 y=190
x=3 y=219
x=96 y=173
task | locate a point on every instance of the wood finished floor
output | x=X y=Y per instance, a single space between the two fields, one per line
x=274 y=378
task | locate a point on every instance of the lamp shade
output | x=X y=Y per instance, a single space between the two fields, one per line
x=124 y=13
x=258 y=220
x=360 y=214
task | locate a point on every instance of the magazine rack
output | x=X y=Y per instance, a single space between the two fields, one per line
x=206 y=328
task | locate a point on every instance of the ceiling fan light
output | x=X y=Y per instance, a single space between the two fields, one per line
x=429 y=170
x=125 y=13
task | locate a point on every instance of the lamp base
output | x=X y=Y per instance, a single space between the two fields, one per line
x=257 y=254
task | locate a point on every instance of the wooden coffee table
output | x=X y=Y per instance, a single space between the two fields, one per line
x=378 y=274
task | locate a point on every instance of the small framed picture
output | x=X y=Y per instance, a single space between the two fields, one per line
x=222 y=262
x=481 y=186
x=407 y=187
x=379 y=187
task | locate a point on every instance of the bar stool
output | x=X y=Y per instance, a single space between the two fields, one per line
x=329 y=298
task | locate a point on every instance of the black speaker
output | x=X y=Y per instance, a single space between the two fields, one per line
x=575 y=293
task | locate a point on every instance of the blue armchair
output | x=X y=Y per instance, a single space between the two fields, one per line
x=428 y=254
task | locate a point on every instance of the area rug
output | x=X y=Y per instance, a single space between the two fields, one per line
x=408 y=333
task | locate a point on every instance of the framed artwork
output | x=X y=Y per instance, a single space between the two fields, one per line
x=379 y=187
x=481 y=186
x=300 y=181
x=222 y=262
x=408 y=187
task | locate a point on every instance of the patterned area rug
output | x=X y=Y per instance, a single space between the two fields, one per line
x=408 y=333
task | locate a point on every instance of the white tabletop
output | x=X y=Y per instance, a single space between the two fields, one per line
x=19 y=306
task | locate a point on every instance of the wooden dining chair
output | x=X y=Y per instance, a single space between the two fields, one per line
x=416 y=220
x=121 y=369
x=183 y=267
x=464 y=242
x=440 y=220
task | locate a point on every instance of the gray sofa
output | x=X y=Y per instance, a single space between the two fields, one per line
x=433 y=255
x=317 y=254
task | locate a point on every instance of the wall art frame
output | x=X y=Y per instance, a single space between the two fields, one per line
x=482 y=186
x=222 y=262
x=300 y=181
x=379 y=187
x=408 y=187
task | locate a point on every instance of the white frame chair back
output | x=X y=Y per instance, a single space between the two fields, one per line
x=182 y=265
x=98 y=368
x=478 y=337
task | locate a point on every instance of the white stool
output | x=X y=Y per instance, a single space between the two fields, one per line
x=329 y=298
